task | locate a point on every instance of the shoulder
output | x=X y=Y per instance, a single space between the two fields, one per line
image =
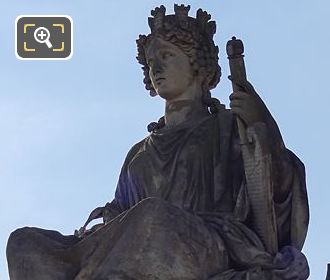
x=134 y=150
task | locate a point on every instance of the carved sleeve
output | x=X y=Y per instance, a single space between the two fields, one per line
x=120 y=202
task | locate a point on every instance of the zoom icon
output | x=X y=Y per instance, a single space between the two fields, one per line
x=43 y=37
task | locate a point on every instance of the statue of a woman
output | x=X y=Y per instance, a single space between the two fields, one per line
x=183 y=208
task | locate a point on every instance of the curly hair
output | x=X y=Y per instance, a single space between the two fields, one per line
x=194 y=36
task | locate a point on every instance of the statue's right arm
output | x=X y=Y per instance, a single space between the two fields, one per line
x=118 y=205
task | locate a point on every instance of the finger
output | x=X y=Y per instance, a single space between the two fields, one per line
x=244 y=84
x=236 y=103
x=239 y=95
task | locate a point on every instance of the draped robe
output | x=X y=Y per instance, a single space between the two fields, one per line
x=181 y=211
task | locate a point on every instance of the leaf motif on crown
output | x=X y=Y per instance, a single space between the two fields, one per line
x=201 y=26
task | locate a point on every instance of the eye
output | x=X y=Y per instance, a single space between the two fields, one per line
x=166 y=55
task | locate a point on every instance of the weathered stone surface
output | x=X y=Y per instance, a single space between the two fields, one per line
x=193 y=200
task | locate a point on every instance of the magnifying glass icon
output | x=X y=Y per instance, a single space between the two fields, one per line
x=41 y=35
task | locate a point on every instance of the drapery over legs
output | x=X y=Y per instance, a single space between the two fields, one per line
x=181 y=211
x=152 y=240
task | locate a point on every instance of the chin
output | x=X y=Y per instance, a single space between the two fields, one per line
x=167 y=94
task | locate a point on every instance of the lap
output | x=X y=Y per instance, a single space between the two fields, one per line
x=152 y=238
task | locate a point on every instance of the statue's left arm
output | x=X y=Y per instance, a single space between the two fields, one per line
x=287 y=172
x=289 y=190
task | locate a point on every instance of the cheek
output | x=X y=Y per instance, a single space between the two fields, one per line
x=151 y=77
x=185 y=74
x=183 y=70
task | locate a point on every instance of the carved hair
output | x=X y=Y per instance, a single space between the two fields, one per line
x=194 y=36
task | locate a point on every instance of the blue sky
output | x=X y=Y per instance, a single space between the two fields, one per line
x=66 y=126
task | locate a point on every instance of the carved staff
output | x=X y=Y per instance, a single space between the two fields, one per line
x=257 y=162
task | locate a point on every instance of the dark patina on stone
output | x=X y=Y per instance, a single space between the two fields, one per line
x=211 y=193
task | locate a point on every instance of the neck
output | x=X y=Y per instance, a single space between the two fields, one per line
x=179 y=111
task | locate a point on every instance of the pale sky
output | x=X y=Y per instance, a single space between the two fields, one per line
x=66 y=126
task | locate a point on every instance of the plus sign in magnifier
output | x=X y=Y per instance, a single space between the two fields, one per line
x=42 y=35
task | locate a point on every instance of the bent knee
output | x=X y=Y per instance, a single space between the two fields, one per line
x=19 y=240
x=18 y=236
x=16 y=241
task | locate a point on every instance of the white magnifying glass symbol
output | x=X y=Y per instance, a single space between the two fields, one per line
x=41 y=35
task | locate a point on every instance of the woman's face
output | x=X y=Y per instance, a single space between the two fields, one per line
x=170 y=71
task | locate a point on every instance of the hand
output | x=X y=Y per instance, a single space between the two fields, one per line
x=96 y=214
x=247 y=104
x=83 y=232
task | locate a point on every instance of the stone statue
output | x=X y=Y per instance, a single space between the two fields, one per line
x=189 y=203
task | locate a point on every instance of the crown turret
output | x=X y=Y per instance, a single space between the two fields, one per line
x=157 y=22
x=199 y=25
x=193 y=35
x=181 y=14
